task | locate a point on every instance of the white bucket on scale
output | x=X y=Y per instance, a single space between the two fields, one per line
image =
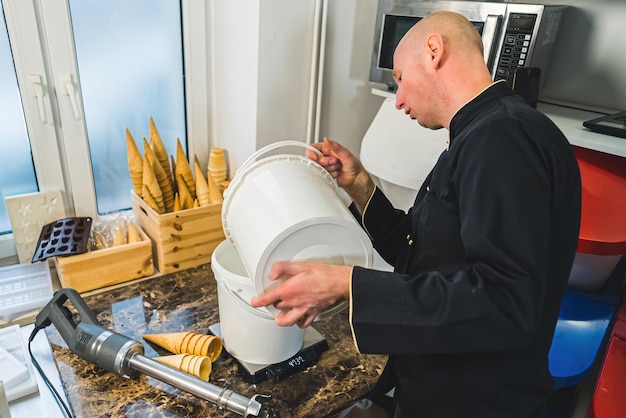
x=286 y=207
x=249 y=334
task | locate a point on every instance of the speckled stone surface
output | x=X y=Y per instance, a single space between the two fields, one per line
x=187 y=301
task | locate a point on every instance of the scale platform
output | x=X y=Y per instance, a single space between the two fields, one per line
x=314 y=344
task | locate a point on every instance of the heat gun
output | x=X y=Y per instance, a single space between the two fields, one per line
x=124 y=356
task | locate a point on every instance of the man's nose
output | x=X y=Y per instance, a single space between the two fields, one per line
x=399 y=99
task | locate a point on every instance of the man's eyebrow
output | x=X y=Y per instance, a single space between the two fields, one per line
x=395 y=74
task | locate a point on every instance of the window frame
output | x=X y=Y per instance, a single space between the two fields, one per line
x=59 y=146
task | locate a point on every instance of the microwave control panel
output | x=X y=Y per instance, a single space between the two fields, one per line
x=516 y=45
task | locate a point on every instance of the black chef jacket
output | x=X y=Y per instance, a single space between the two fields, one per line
x=482 y=261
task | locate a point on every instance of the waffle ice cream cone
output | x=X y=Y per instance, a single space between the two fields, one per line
x=170 y=341
x=151 y=201
x=162 y=177
x=193 y=343
x=183 y=169
x=135 y=163
x=198 y=366
x=186 y=200
x=177 y=205
x=156 y=144
x=211 y=347
x=217 y=164
x=133 y=233
x=174 y=361
x=202 y=187
x=120 y=236
x=152 y=184
x=215 y=196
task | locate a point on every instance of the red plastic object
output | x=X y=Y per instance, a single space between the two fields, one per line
x=610 y=394
x=603 y=220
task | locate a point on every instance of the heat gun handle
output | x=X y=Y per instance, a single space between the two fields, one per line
x=224 y=398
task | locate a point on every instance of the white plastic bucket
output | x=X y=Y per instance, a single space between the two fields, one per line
x=249 y=334
x=286 y=207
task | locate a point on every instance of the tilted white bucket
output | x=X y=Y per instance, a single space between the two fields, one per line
x=249 y=334
x=286 y=207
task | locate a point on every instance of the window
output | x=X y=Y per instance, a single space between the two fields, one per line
x=18 y=172
x=86 y=71
x=130 y=65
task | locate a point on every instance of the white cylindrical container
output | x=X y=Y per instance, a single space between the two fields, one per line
x=286 y=207
x=249 y=334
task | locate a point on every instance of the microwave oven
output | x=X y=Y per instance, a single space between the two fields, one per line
x=514 y=34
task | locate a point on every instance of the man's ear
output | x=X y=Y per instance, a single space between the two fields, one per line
x=435 y=49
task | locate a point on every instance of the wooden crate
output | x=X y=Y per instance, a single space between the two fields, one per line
x=106 y=267
x=181 y=239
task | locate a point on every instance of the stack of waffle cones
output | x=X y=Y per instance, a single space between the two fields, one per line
x=193 y=352
x=168 y=187
x=199 y=366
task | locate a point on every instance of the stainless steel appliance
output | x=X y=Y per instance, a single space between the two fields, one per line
x=514 y=35
x=119 y=354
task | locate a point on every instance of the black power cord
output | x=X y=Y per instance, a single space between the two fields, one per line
x=47 y=381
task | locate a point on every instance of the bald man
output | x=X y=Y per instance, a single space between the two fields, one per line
x=482 y=259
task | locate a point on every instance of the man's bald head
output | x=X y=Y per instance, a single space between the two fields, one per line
x=456 y=30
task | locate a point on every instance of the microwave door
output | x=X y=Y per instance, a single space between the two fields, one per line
x=491 y=32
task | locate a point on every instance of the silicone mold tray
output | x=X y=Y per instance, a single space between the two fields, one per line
x=63 y=237
x=24 y=287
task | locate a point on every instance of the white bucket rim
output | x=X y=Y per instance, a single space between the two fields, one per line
x=237 y=182
x=260 y=312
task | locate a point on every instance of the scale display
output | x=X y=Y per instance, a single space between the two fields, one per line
x=313 y=345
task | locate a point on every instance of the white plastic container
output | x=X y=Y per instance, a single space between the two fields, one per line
x=249 y=334
x=286 y=207
x=24 y=287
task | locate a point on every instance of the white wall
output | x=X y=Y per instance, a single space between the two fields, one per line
x=260 y=72
x=348 y=106
x=589 y=69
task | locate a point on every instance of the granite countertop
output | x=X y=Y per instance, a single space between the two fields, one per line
x=187 y=301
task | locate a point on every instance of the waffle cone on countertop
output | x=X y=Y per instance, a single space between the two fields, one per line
x=188 y=343
x=170 y=341
x=152 y=184
x=183 y=169
x=133 y=233
x=162 y=177
x=198 y=366
x=215 y=195
x=202 y=187
x=156 y=144
x=186 y=200
x=135 y=163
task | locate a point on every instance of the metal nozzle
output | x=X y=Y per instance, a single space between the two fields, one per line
x=225 y=398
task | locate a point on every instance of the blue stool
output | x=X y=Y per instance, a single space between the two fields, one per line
x=581 y=329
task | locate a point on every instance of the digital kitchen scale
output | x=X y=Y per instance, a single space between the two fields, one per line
x=614 y=124
x=314 y=344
